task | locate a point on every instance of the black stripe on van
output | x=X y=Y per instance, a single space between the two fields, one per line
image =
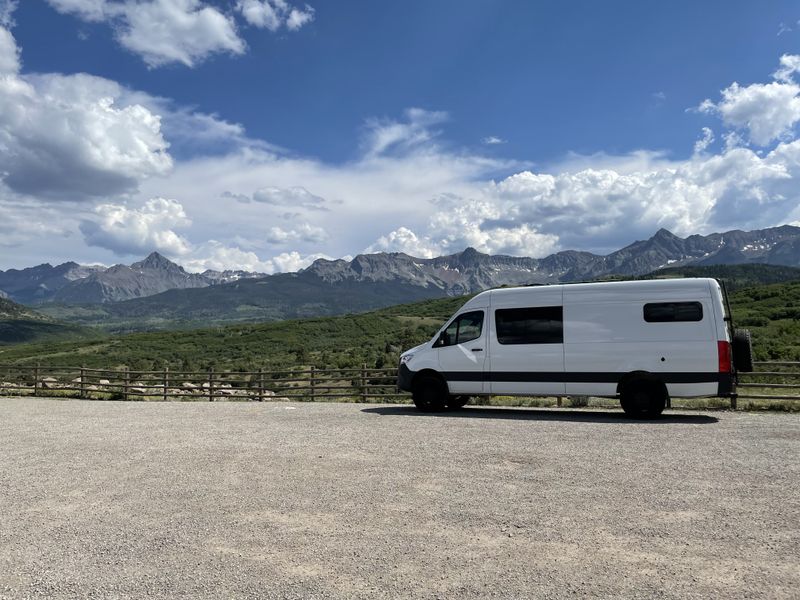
x=577 y=377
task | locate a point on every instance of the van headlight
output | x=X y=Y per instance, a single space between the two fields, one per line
x=405 y=358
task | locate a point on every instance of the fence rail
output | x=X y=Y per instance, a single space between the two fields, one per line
x=772 y=381
x=769 y=376
x=303 y=384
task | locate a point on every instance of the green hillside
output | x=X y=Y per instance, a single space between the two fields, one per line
x=10 y=311
x=772 y=313
x=276 y=298
x=19 y=324
x=735 y=276
x=375 y=338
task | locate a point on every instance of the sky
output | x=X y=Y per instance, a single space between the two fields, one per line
x=263 y=134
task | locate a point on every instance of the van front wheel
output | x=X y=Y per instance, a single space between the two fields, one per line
x=430 y=393
x=643 y=399
x=455 y=402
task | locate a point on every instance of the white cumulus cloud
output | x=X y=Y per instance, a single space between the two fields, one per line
x=767 y=112
x=90 y=10
x=7 y=8
x=80 y=136
x=406 y=241
x=289 y=262
x=705 y=140
x=789 y=65
x=74 y=136
x=217 y=256
x=184 y=31
x=274 y=14
x=162 y=31
x=485 y=224
x=304 y=232
x=126 y=231
x=299 y=17
x=9 y=53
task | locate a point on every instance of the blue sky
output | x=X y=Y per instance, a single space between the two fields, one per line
x=263 y=133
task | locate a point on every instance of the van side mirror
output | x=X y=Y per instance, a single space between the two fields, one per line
x=440 y=341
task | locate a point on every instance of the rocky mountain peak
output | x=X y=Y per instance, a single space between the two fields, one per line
x=665 y=234
x=470 y=257
x=157 y=261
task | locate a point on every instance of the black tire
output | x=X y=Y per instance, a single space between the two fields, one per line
x=455 y=402
x=742 y=347
x=643 y=399
x=430 y=393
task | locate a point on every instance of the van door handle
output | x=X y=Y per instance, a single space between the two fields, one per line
x=477 y=349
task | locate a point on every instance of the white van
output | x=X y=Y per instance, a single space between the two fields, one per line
x=640 y=341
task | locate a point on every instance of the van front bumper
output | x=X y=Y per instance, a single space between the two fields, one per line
x=404 y=378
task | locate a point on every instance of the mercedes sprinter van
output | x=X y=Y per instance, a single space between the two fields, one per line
x=640 y=341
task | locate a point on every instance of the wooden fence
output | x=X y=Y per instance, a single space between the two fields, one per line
x=769 y=377
x=302 y=384
x=299 y=384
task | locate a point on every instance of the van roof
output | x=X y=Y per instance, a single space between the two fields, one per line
x=642 y=285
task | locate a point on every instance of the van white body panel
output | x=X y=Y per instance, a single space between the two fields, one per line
x=607 y=332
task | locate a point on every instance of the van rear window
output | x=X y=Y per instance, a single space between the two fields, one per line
x=536 y=325
x=672 y=312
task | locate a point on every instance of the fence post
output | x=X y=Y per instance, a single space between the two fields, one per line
x=734 y=398
x=83 y=381
x=166 y=383
x=364 y=382
x=126 y=382
x=210 y=384
x=261 y=384
x=558 y=401
x=36 y=380
x=313 y=384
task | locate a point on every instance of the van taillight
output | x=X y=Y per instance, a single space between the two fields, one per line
x=724 y=352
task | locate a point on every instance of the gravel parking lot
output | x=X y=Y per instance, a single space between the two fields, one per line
x=245 y=500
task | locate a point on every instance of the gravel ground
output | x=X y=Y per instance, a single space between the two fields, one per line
x=245 y=500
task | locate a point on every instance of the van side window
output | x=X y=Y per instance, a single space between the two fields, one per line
x=670 y=312
x=465 y=328
x=539 y=325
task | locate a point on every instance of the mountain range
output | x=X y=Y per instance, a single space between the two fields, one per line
x=465 y=272
x=156 y=292
x=71 y=283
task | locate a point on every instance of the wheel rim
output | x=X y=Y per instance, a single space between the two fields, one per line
x=429 y=395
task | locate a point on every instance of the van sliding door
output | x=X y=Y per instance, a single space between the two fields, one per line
x=527 y=348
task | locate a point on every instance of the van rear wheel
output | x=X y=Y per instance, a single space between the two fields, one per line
x=430 y=393
x=643 y=399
